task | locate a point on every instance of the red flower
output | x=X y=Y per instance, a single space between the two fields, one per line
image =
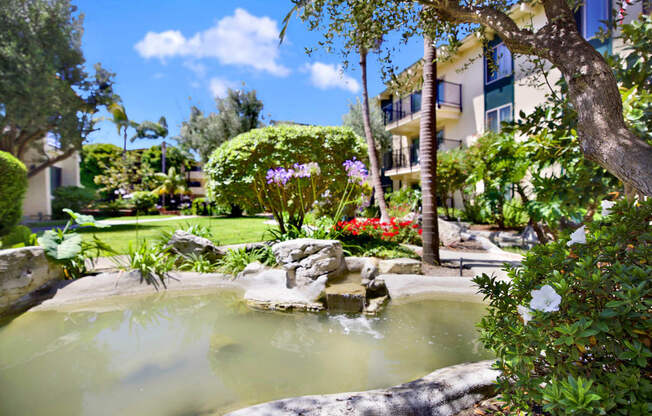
x=420 y=231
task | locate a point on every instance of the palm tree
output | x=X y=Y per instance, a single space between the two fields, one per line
x=172 y=183
x=428 y=155
x=371 y=143
x=121 y=121
x=144 y=130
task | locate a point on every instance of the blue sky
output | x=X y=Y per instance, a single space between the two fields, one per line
x=169 y=55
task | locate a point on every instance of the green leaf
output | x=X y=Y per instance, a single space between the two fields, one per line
x=61 y=248
x=84 y=220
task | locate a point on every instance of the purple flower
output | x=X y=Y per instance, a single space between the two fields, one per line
x=306 y=170
x=356 y=171
x=279 y=176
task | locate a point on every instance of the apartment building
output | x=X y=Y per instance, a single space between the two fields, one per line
x=38 y=198
x=478 y=89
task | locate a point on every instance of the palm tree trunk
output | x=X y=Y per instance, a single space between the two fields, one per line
x=428 y=155
x=374 y=166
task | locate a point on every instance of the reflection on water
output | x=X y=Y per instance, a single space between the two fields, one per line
x=195 y=355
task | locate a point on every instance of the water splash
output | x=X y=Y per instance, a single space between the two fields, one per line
x=359 y=325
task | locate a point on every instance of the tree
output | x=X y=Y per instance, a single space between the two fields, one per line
x=44 y=86
x=353 y=119
x=124 y=175
x=603 y=133
x=143 y=130
x=238 y=113
x=428 y=155
x=171 y=183
x=94 y=159
x=174 y=158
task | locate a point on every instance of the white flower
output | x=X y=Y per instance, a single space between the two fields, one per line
x=579 y=236
x=525 y=313
x=545 y=299
x=606 y=207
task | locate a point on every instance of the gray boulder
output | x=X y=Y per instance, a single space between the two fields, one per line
x=307 y=259
x=399 y=266
x=23 y=271
x=449 y=232
x=186 y=244
x=370 y=269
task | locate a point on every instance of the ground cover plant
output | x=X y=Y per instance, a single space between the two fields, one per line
x=572 y=328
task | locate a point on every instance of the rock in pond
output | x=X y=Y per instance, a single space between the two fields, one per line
x=307 y=259
x=268 y=290
x=186 y=244
x=23 y=271
x=399 y=266
x=346 y=297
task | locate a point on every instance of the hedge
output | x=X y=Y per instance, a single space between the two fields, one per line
x=13 y=185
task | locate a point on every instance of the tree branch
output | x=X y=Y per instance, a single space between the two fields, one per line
x=36 y=170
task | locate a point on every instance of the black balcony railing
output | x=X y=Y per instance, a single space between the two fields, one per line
x=409 y=156
x=449 y=94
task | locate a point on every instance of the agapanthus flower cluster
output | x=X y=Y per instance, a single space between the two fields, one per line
x=356 y=171
x=306 y=170
x=279 y=176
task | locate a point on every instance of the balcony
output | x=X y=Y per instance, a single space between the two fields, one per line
x=406 y=160
x=402 y=116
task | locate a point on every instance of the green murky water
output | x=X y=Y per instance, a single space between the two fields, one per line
x=196 y=355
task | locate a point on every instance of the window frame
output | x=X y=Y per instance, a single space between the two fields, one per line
x=497 y=110
x=486 y=64
x=584 y=21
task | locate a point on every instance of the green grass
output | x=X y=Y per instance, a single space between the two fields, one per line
x=134 y=218
x=224 y=230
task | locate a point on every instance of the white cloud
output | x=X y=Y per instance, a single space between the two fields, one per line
x=197 y=67
x=325 y=76
x=219 y=86
x=241 y=39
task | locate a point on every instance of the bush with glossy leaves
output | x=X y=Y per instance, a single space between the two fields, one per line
x=591 y=352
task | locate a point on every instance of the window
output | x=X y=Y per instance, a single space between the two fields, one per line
x=496 y=116
x=55 y=178
x=498 y=63
x=415 y=101
x=592 y=16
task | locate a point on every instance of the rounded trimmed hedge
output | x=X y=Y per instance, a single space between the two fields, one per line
x=13 y=185
x=236 y=164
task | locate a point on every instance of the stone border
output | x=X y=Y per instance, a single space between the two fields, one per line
x=444 y=392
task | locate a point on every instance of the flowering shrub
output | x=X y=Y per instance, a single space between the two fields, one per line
x=572 y=330
x=274 y=168
x=372 y=229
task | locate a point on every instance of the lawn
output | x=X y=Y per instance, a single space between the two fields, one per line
x=133 y=218
x=225 y=231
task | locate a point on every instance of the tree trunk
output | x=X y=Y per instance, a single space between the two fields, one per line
x=603 y=134
x=374 y=166
x=428 y=155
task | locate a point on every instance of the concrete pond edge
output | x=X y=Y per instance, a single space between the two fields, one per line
x=444 y=392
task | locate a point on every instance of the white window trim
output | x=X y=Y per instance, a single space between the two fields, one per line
x=486 y=68
x=497 y=110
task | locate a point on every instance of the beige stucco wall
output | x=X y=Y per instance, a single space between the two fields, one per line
x=38 y=198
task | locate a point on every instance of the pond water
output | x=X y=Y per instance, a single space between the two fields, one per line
x=208 y=354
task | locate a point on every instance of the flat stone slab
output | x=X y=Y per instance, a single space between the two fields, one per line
x=416 y=287
x=444 y=392
x=346 y=297
x=399 y=266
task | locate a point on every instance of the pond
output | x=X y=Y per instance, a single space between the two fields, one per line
x=208 y=354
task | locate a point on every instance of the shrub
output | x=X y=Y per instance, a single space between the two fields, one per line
x=152 y=261
x=407 y=232
x=583 y=345
x=238 y=169
x=515 y=214
x=234 y=261
x=144 y=201
x=72 y=197
x=404 y=201
x=19 y=236
x=95 y=158
x=13 y=185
